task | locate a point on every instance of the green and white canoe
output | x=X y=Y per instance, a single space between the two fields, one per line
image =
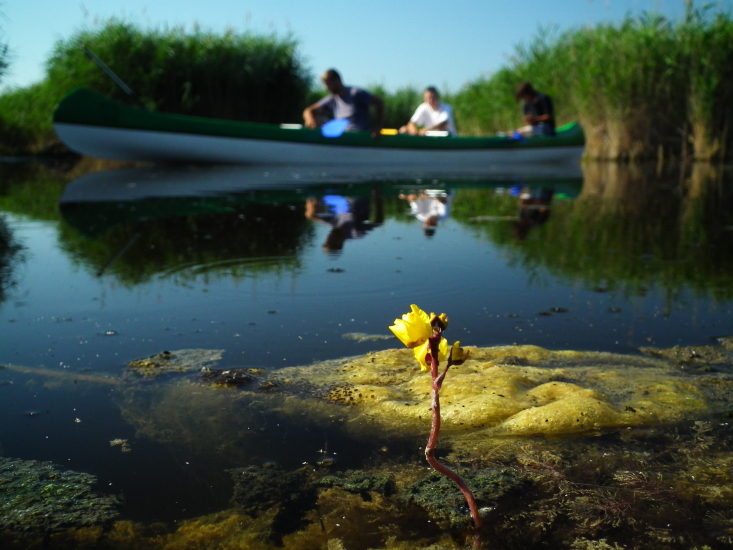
x=94 y=125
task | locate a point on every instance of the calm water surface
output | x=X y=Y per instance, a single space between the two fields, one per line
x=116 y=266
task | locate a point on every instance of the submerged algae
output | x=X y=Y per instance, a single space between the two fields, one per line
x=37 y=498
x=647 y=488
x=439 y=496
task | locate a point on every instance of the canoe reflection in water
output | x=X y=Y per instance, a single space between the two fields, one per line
x=349 y=217
x=534 y=210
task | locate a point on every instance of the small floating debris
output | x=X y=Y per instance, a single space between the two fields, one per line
x=559 y=309
x=110 y=333
x=364 y=337
x=123 y=444
x=614 y=310
x=335 y=270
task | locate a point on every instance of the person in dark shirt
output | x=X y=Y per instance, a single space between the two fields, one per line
x=539 y=113
x=346 y=102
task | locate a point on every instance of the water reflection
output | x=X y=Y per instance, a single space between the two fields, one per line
x=628 y=229
x=347 y=217
x=430 y=206
x=10 y=254
x=135 y=223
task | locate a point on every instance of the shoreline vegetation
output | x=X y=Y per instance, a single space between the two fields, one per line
x=646 y=88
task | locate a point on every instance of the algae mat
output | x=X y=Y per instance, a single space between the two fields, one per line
x=510 y=391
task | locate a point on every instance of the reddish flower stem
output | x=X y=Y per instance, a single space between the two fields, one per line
x=435 y=432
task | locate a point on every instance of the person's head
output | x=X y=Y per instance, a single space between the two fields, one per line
x=431 y=97
x=430 y=225
x=526 y=92
x=332 y=81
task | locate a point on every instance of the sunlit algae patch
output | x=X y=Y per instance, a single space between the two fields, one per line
x=512 y=391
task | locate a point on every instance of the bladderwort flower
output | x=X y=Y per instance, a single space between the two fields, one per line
x=423 y=333
x=415 y=329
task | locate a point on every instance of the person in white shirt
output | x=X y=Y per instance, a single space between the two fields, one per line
x=431 y=116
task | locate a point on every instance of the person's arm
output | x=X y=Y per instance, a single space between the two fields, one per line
x=379 y=119
x=410 y=128
x=548 y=109
x=310 y=113
x=440 y=126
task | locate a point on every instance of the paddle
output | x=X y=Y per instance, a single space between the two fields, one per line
x=110 y=73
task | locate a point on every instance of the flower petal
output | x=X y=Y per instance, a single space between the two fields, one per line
x=414 y=328
x=421 y=353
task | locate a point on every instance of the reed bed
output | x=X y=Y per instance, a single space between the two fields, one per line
x=645 y=88
x=236 y=76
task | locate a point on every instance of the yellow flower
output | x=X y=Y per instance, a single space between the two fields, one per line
x=414 y=328
x=422 y=351
x=458 y=354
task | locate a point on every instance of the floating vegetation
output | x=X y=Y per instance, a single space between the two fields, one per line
x=184 y=360
x=506 y=391
x=722 y=354
x=123 y=444
x=37 y=499
x=228 y=378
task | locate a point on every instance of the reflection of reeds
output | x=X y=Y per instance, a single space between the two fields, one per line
x=641 y=89
x=631 y=228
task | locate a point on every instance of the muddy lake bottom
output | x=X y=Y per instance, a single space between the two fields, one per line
x=257 y=270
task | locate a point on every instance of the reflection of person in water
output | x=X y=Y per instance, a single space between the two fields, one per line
x=349 y=217
x=430 y=206
x=534 y=210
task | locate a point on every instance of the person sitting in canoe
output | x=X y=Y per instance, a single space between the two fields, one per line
x=346 y=102
x=539 y=113
x=432 y=115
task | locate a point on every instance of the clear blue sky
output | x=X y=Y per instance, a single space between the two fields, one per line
x=390 y=42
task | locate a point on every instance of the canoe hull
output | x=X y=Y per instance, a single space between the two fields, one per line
x=151 y=146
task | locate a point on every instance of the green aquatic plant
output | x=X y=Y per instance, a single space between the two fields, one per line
x=37 y=498
x=423 y=333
